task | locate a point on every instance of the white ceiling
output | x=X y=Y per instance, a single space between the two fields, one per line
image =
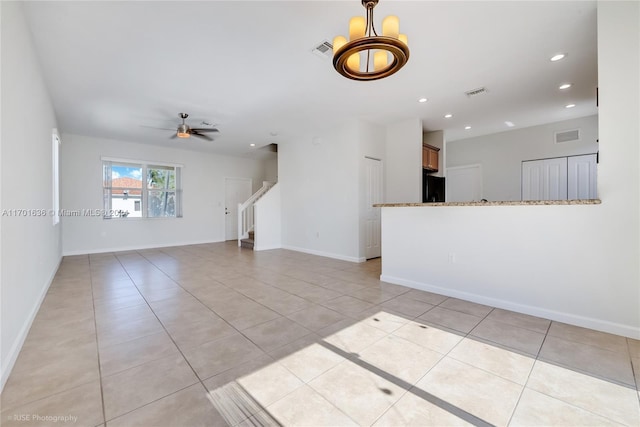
x=114 y=68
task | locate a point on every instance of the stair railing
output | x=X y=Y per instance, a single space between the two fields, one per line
x=246 y=212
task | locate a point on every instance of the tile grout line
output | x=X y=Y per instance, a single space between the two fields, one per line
x=213 y=311
x=269 y=355
x=95 y=325
x=536 y=357
x=524 y=386
x=634 y=372
x=356 y=358
x=168 y=334
x=149 y=403
x=252 y=298
x=200 y=380
x=583 y=371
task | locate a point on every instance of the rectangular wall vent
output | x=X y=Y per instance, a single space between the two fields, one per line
x=477 y=91
x=323 y=50
x=567 y=136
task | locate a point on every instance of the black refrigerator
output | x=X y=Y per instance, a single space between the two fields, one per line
x=432 y=188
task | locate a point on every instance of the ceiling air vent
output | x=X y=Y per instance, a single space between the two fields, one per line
x=567 y=136
x=323 y=49
x=474 y=92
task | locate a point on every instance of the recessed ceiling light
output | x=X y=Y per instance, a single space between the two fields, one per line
x=570 y=106
x=422 y=100
x=252 y=145
x=558 y=57
x=508 y=123
x=448 y=116
x=565 y=86
x=467 y=127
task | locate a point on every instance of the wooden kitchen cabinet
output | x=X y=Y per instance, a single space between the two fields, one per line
x=430 y=157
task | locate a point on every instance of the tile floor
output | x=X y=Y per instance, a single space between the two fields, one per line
x=212 y=335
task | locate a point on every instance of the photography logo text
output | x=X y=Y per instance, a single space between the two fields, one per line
x=28 y=418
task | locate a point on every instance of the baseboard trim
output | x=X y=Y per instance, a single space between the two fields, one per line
x=267 y=248
x=24 y=331
x=324 y=254
x=572 y=319
x=137 y=247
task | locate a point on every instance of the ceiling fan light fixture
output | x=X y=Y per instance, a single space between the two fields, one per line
x=367 y=55
x=183 y=131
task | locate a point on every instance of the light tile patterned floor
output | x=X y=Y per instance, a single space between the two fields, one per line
x=212 y=335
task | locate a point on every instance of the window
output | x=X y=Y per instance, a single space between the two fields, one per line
x=141 y=190
x=55 y=155
x=161 y=186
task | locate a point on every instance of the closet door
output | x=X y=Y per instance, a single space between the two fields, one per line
x=555 y=179
x=582 y=179
x=544 y=179
x=532 y=180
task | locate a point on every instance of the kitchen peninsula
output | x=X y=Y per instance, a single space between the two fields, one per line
x=497 y=203
x=542 y=258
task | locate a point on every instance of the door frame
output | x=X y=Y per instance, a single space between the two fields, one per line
x=224 y=214
x=381 y=176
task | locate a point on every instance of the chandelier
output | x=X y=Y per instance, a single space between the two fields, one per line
x=368 y=56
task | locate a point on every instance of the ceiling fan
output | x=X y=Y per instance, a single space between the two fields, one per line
x=185 y=131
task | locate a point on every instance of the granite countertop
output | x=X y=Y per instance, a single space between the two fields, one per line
x=497 y=203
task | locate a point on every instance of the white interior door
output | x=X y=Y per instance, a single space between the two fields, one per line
x=555 y=179
x=544 y=179
x=582 y=179
x=373 y=195
x=464 y=184
x=532 y=180
x=236 y=190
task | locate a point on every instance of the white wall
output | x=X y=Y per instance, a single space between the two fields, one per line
x=403 y=178
x=268 y=220
x=323 y=183
x=318 y=175
x=203 y=196
x=30 y=245
x=323 y=186
x=501 y=154
x=577 y=264
x=271 y=168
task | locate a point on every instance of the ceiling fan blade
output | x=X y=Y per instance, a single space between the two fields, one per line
x=199 y=135
x=174 y=136
x=205 y=130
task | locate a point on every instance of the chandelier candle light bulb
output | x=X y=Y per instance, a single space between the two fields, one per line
x=391 y=26
x=382 y=55
x=338 y=42
x=380 y=60
x=357 y=27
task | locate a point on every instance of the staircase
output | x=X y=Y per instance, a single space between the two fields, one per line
x=248 y=242
x=246 y=217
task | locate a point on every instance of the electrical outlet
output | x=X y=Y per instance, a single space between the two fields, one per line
x=317 y=234
x=452 y=258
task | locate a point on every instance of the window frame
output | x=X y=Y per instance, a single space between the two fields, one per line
x=55 y=176
x=144 y=166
